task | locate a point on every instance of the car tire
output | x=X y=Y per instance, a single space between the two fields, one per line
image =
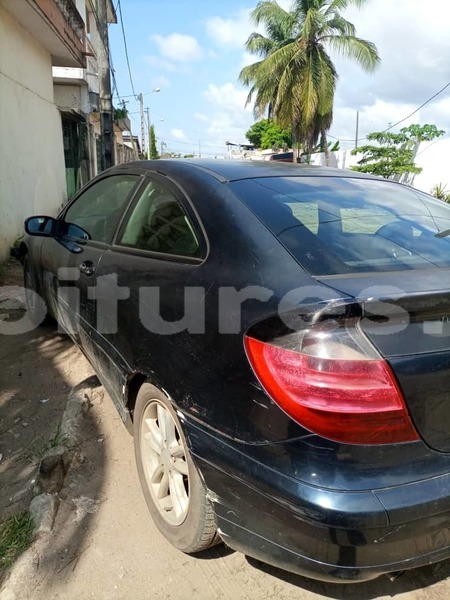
x=36 y=306
x=172 y=486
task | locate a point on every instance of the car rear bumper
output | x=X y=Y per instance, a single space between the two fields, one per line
x=315 y=532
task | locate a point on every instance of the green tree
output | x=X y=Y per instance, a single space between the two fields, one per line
x=394 y=156
x=267 y=134
x=153 y=149
x=120 y=113
x=295 y=79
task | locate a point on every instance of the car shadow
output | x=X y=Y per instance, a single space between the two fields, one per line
x=381 y=587
x=39 y=369
x=218 y=551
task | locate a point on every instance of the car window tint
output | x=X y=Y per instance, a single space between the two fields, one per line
x=335 y=225
x=98 y=210
x=159 y=223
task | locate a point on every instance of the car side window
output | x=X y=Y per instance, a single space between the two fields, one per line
x=160 y=223
x=98 y=210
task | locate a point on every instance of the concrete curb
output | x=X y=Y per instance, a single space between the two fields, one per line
x=49 y=481
x=56 y=462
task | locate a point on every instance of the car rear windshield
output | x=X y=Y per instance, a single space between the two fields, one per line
x=335 y=225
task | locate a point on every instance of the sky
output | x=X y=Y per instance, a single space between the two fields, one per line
x=193 y=51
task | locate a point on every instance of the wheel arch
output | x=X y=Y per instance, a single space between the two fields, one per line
x=23 y=249
x=134 y=384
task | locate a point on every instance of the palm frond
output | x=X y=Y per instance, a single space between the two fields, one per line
x=337 y=24
x=295 y=80
x=362 y=51
x=258 y=44
x=338 y=5
x=279 y=23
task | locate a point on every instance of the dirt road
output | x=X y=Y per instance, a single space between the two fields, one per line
x=104 y=545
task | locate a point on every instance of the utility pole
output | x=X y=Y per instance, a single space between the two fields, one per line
x=101 y=43
x=141 y=102
x=149 y=134
x=199 y=148
x=357 y=129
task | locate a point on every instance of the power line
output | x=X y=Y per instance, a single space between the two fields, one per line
x=421 y=106
x=191 y=143
x=105 y=42
x=195 y=132
x=137 y=123
x=126 y=46
x=99 y=29
x=341 y=140
x=427 y=148
x=131 y=96
x=401 y=120
x=113 y=77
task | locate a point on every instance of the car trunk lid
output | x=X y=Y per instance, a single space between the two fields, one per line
x=407 y=317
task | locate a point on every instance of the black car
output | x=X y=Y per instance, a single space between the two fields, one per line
x=278 y=338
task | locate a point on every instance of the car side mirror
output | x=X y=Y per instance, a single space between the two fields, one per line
x=40 y=226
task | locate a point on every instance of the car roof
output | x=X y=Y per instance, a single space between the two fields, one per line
x=233 y=170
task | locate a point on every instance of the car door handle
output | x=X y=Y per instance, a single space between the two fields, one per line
x=87 y=268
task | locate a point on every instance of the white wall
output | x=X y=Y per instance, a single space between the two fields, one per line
x=433 y=157
x=75 y=97
x=342 y=159
x=32 y=172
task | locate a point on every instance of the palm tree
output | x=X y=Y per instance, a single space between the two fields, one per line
x=295 y=79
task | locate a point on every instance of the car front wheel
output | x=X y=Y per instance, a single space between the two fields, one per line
x=36 y=307
x=174 y=492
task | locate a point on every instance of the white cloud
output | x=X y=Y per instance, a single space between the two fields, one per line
x=201 y=117
x=371 y=118
x=178 y=47
x=286 y=4
x=229 y=119
x=233 y=31
x=160 y=63
x=414 y=45
x=178 y=134
x=227 y=96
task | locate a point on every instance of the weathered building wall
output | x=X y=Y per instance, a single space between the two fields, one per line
x=32 y=173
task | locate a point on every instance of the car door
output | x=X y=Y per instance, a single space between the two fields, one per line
x=159 y=245
x=70 y=259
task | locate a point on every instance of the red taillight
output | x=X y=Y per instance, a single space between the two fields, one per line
x=335 y=384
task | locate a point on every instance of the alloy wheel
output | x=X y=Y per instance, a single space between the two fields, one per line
x=164 y=462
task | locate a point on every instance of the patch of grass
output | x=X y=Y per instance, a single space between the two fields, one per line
x=40 y=448
x=16 y=534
